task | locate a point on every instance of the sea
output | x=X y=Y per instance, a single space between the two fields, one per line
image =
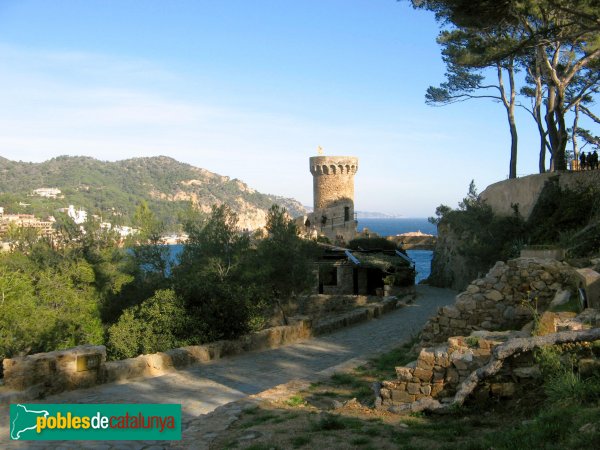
x=392 y=227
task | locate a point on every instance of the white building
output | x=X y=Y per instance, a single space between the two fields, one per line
x=79 y=216
x=47 y=192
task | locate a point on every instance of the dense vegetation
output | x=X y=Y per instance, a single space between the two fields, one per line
x=112 y=190
x=561 y=217
x=135 y=300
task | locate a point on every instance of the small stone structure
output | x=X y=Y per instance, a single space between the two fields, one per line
x=442 y=371
x=364 y=272
x=333 y=196
x=589 y=281
x=439 y=370
x=496 y=363
x=501 y=300
x=57 y=371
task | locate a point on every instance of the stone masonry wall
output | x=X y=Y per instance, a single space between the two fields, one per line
x=497 y=301
x=333 y=180
x=438 y=371
x=525 y=191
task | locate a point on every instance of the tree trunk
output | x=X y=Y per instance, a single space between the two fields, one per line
x=574 y=138
x=513 y=144
x=509 y=104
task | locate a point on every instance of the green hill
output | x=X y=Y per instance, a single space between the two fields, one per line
x=112 y=190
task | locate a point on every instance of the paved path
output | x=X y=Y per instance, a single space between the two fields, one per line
x=202 y=388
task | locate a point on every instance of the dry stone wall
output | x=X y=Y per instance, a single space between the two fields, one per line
x=499 y=301
x=439 y=370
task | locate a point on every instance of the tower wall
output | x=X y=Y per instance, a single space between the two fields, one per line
x=333 y=181
x=333 y=194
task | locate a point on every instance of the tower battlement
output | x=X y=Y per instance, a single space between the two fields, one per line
x=333 y=165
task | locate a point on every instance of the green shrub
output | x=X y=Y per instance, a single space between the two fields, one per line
x=160 y=323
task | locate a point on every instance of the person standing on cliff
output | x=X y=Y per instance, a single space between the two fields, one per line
x=594 y=157
x=582 y=161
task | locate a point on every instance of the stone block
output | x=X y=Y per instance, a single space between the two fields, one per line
x=426 y=389
x=493 y=295
x=426 y=358
x=458 y=323
x=404 y=373
x=451 y=312
x=438 y=375
x=472 y=289
x=424 y=375
x=538 y=285
x=436 y=388
x=402 y=397
x=413 y=388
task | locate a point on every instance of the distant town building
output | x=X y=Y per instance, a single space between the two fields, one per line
x=47 y=192
x=79 y=216
x=26 y=221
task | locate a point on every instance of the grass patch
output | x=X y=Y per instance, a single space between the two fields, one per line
x=364 y=394
x=553 y=428
x=300 y=441
x=343 y=379
x=329 y=394
x=295 y=400
x=360 y=441
x=328 y=422
x=384 y=366
x=259 y=420
x=262 y=447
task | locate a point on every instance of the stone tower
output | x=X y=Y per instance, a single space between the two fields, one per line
x=333 y=193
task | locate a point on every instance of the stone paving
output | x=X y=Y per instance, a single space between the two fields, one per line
x=203 y=388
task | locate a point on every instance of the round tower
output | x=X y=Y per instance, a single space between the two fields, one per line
x=333 y=188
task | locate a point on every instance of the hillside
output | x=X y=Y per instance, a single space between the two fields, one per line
x=113 y=189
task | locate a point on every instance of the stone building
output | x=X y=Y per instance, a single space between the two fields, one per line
x=333 y=195
x=363 y=272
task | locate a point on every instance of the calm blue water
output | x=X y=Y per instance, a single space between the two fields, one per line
x=391 y=227
x=385 y=227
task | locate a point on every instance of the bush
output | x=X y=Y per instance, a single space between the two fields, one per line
x=160 y=323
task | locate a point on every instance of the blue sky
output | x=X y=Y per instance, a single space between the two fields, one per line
x=249 y=89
